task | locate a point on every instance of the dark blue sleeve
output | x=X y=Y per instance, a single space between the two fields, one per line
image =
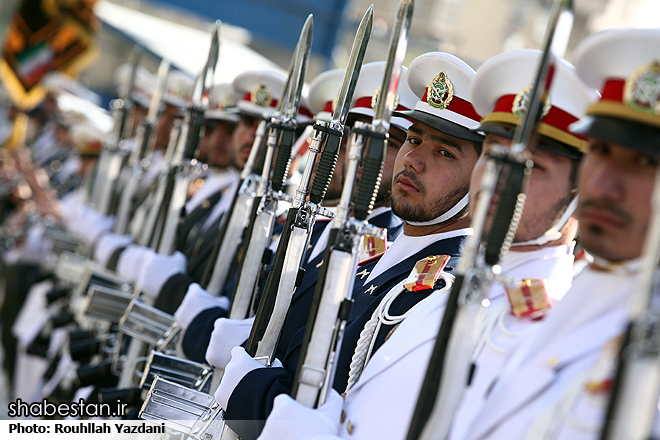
x=198 y=334
x=252 y=400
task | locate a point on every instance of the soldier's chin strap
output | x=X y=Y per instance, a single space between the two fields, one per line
x=458 y=207
x=553 y=233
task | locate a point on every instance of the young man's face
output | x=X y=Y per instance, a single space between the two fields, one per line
x=243 y=138
x=215 y=147
x=165 y=124
x=548 y=192
x=431 y=173
x=615 y=187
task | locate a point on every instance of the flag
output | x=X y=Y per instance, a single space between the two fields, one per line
x=45 y=35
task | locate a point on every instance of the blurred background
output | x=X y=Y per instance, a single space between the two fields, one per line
x=263 y=33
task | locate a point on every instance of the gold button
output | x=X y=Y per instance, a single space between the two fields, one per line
x=342 y=418
x=349 y=427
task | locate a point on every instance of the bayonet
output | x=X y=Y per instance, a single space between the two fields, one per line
x=448 y=370
x=254 y=186
x=186 y=152
x=332 y=298
x=109 y=163
x=143 y=141
x=285 y=271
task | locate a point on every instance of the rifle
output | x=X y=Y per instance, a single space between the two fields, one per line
x=259 y=232
x=506 y=172
x=133 y=170
x=186 y=152
x=285 y=272
x=332 y=298
x=243 y=209
x=109 y=163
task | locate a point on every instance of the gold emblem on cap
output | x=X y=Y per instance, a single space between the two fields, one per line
x=440 y=92
x=227 y=101
x=521 y=103
x=376 y=96
x=642 y=89
x=261 y=95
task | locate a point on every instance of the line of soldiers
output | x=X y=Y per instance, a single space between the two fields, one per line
x=547 y=353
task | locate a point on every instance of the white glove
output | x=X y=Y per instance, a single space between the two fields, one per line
x=294 y=421
x=92 y=224
x=157 y=269
x=196 y=301
x=240 y=365
x=131 y=260
x=107 y=246
x=227 y=334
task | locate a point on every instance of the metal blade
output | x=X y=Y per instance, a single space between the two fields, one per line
x=301 y=59
x=159 y=90
x=392 y=75
x=355 y=60
x=201 y=93
x=555 y=43
x=136 y=54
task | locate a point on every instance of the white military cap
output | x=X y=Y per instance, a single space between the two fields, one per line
x=87 y=138
x=258 y=91
x=305 y=114
x=178 y=89
x=221 y=101
x=143 y=86
x=323 y=91
x=624 y=64
x=57 y=83
x=441 y=83
x=501 y=91
x=367 y=91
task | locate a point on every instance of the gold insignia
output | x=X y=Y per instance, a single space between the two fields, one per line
x=371 y=290
x=426 y=272
x=261 y=95
x=642 y=89
x=521 y=103
x=362 y=274
x=371 y=246
x=320 y=264
x=440 y=91
x=601 y=374
x=349 y=427
x=529 y=298
x=376 y=96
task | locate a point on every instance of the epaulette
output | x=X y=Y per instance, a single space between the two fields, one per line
x=529 y=298
x=426 y=272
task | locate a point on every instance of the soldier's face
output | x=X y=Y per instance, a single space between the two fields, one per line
x=216 y=143
x=243 y=138
x=165 y=124
x=615 y=187
x=547 y=195
x=431 y=173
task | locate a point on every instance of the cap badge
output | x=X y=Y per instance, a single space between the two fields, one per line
x=227 y=101
x=440 y=91
x=376 y=96
x=522 y=100
x=642 y=89
x=261 y=95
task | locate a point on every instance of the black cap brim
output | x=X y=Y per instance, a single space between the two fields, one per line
x=545 y=143
x=442 y=125
x=625 y=132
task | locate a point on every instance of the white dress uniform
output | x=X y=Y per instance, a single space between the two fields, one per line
x=548 y=377
x=381 y=403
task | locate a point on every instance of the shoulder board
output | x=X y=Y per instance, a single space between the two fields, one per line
x=426 y=272
x=529 y=299
x=371 y=246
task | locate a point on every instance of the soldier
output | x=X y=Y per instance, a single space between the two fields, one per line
x=556 y=385
x=440 y=147
x=171 y=285
x=542 y=251
x=322 y=93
